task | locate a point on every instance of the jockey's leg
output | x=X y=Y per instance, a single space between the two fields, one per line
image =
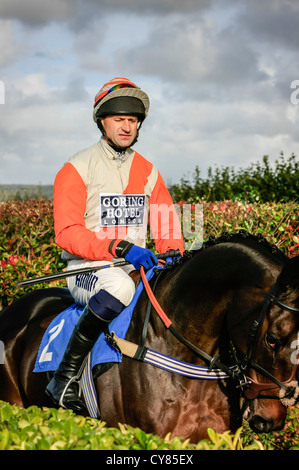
x=64 y=387
x=105 y=293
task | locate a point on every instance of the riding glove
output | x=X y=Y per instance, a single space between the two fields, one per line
x=136 y=255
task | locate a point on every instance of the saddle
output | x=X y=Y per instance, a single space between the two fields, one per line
x=59 y=331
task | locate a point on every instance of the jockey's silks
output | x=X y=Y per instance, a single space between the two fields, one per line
x=100 y=196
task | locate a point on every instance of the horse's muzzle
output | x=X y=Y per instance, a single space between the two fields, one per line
x=259 y=424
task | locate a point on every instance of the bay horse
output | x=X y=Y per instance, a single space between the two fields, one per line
x=233 y=305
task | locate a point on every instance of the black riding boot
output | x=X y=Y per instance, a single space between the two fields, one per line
x=64 y=386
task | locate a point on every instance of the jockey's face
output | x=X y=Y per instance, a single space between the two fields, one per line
x=121 y=129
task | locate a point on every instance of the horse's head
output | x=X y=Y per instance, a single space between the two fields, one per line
x=273 y=354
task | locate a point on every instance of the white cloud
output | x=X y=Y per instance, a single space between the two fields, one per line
x=32 y=84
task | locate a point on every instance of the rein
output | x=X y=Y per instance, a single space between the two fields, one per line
x=215 y=371
x=213 y=362
x=289 y=390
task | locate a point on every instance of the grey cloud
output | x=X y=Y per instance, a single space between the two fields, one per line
x=207 y=64
x=236 y=61
x=80 y=13
x=88 y=47
x=176 y=50
x=150 y=7
x=75 y=91
x=35 y=12
x=274 y=21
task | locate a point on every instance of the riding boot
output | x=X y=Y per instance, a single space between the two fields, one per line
x=95 y=318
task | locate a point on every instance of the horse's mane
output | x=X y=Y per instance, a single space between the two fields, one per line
x=238 y=237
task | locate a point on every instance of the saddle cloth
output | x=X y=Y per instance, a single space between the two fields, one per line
x=58 y=333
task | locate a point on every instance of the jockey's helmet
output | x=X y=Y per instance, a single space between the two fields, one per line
x=120 y=96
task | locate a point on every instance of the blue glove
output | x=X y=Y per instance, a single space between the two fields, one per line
x=141 y=256
x=136 y=255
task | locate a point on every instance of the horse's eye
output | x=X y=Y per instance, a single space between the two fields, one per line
x=272 y=342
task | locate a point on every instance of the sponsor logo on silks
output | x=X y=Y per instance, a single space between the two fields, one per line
x=86 y=281
x=122 y=210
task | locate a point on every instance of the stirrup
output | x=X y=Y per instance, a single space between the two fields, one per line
x=72 y=380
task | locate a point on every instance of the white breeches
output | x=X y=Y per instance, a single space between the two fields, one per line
x=116 y=281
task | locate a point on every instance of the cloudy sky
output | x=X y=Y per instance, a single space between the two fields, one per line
x=219 y=74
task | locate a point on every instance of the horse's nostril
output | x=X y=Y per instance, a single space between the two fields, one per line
x=259 y=424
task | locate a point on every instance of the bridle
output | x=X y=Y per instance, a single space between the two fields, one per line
x=288 y=392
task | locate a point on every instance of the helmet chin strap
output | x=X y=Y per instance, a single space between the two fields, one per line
x=116 y=147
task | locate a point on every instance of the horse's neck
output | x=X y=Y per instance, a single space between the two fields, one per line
x=198 y=295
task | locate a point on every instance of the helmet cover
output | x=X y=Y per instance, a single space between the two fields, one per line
x=131 y=99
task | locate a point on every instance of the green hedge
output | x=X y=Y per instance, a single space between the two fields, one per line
x=259 y=182
x=28 y=248
x=50 y=429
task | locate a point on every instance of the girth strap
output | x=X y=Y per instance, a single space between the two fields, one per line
x=89 y=390
x=164 y=362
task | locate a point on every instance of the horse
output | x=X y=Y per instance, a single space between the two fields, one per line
x=233 y=306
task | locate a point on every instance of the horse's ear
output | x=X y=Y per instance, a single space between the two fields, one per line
x=289 y=276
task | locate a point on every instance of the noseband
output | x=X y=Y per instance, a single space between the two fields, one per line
x=289 y=390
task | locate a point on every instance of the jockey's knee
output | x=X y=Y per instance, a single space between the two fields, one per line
x=123 y=290
x=115 y=281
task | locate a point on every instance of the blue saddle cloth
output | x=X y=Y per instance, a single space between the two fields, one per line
x=58 y=333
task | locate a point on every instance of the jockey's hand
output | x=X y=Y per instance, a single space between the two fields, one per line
x=136 y=255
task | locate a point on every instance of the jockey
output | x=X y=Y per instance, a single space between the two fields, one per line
x=104 y=198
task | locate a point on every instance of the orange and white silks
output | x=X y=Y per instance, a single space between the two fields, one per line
x=99 y=171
